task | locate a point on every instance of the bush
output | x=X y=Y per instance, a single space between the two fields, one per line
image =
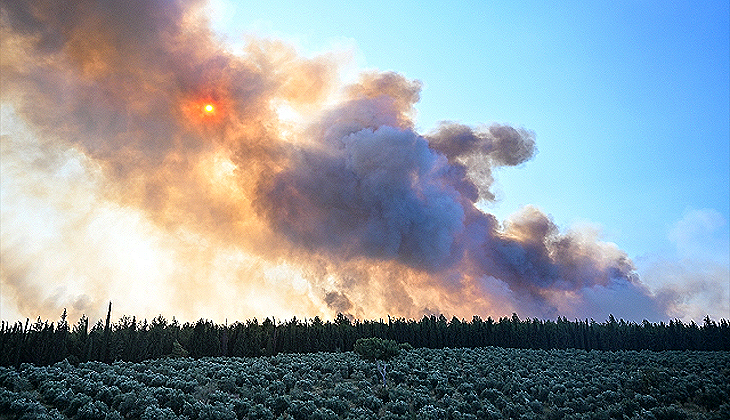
x=92 y=410
x=301 y=410
x=376 y=348
x=452 y=384
x=260 y=412
x=324 y=414
x=429 y=412
x=669 y=413
x=397 y=407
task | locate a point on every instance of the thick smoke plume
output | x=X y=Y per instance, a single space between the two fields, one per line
x=291 y=195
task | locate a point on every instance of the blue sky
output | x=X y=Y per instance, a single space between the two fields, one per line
x=629 y=100
x=629 y=103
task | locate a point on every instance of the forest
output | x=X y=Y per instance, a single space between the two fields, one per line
x=44 y=343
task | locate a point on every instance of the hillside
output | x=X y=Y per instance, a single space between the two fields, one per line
x=423 y=384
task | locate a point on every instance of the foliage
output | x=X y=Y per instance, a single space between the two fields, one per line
x=377 y=349
x=374 y=348
x=459 y=384
x=44 y=343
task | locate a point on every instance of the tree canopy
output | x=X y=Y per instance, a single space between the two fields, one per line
x=129 y=339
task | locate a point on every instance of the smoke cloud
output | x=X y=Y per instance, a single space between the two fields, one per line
x=292 y=195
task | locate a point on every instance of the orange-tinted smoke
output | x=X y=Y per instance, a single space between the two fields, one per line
x=235 y=212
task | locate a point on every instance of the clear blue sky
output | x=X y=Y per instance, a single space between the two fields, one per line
x=629 y=100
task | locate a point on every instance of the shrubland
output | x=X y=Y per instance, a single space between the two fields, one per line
x=421 y=383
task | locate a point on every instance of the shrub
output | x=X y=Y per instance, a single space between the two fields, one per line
x=323 y=413
x=669 y=413
x=397 y=407
x=92 y=410
x=485 y=383
x=430 y=412
x=376 y=348
x=301 y=410
x=157 y=413
x=337 y=404
x=260 y=412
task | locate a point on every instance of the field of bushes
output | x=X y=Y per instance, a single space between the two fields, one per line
x=423 y=384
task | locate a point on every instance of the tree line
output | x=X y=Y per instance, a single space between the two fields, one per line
x=45 y=343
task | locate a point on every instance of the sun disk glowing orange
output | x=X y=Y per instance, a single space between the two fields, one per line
x=209 y=108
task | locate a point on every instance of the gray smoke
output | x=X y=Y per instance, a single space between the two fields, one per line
x=347 y=210
x=479 y=151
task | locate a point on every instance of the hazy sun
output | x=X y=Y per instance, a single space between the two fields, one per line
x=205 y=110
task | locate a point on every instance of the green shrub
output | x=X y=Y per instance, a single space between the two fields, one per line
x=376 y=348
x=669 y=413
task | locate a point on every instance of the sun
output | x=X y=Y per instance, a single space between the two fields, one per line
x=207 y=111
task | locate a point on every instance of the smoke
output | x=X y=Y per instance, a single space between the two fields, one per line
x=477 y=152
x=696 y=282
x=294 y=195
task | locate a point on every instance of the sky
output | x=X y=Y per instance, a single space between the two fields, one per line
x=372 y=159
